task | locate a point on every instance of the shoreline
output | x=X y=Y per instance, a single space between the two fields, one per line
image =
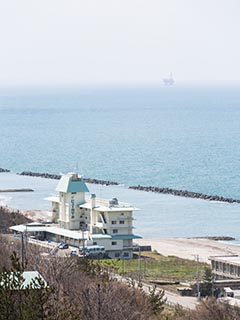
x=168 y=217
x=189 y=248
x=185 y=248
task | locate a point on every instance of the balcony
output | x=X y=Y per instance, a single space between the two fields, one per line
x=120 y=226
x=126 y=218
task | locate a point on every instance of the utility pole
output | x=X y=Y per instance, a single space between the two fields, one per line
x=198 y=288
x=22 y=251
x=139 y=265
x=83 y=229
x=83 y=243
x=24 y=240
x=122 y=264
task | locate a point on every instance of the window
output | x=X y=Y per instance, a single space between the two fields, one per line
x=94 y=243
x=73 y=192
x=115 y=230
x=121 y=221
x=114 y=243
x=114 y=222
x=117 y=254
x=126 y=254
x=122 y=214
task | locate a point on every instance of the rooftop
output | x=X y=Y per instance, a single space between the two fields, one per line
x=51 y=228
x=30 y=278
x=233 y=259
x=73 y=234
x=71 y=182
x=106 y=205
x=102 y=205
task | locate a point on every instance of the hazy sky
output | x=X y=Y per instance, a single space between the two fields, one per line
x=118 y=41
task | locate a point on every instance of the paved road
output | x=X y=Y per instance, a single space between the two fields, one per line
x=172 y=298
x=175 y=299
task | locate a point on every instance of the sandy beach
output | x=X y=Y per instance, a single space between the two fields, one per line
x=189 y=248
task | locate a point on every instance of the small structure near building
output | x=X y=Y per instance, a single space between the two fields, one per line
x=85 y=221
x=185 y=291
x=226 y=274
x=225 y=267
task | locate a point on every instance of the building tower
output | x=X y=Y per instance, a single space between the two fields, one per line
x=72 y=189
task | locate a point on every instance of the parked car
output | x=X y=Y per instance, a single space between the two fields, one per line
x=63 y=245
x=93 y=251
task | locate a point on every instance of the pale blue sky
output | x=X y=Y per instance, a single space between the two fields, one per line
x=75 y=42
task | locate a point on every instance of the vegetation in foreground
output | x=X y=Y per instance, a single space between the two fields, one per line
x=82 y=289
x=77 y=289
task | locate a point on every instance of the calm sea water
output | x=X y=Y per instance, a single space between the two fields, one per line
x=178 y=137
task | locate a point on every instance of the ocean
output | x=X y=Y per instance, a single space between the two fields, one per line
x=176 y=137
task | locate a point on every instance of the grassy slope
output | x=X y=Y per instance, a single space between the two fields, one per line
x=154 y=266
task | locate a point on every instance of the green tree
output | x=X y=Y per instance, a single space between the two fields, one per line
x=20 y=302
x=206 y=287
x=157 y=300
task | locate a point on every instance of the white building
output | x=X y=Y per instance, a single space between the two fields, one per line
x=226 y=267
x=81 y=220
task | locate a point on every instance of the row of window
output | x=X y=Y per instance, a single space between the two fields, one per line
x=120 y=222
x=118 y=255
x=114 y=243
x=115 y=231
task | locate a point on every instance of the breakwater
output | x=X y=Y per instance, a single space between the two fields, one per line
x=4 y=170
x=174 y=192
x=40 y=175
x=17 y=190
x=184 y=193
x=216 y=238
x=58 y=176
